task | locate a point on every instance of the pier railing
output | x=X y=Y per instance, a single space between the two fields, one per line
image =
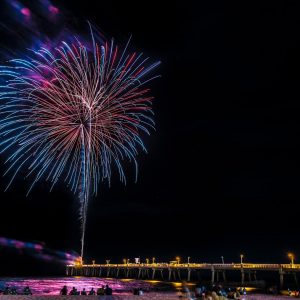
x=176 y=271
x=231 y=266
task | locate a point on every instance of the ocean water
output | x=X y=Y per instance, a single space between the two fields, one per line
x=53 y=285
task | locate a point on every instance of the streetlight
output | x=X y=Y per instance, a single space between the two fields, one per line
x=147 y=261
x=124 y=261
x=153 y=260
x=93 y=262
x=188 y=260
x=292 y=258
x=222 y=257
x=242 y=256
x=178 y=260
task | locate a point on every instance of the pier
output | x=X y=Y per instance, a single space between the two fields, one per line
x=182 y=271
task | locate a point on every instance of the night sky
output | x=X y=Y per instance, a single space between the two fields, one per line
x=221 y=176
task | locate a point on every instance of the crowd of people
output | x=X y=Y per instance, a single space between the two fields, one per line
x=104 y=290
x=216 y=292
x=200 y=292
x=13 y=291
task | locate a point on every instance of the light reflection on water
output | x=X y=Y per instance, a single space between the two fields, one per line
x=52 y=286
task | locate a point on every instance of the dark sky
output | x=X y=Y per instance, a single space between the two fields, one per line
x=222 y=173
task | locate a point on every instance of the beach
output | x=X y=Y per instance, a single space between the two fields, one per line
x=148 y=296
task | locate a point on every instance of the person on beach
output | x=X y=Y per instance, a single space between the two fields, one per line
x=27 y=291
x=108 y=290
x=198 y=291
x=101 y=291
x=83 y=292
x=214 y=295
x=185 y=292
x=234 y=294
x=140 y=292
x=208 y=295
x=92 y=292
x=272 y=290
x=73 y=292
x=6 y=291
x=64 y=291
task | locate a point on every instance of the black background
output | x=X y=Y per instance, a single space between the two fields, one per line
x=222 y=173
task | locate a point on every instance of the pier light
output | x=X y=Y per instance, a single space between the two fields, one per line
x=153 y=260
x=242 y=256
x=147 y=261
x=292 y=258
x=178 y=260
x=93 y=262
x=189 y=260
x=79 y=261
x=124 y=261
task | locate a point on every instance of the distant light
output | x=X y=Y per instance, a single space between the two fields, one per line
x=53 y=9
x=26 y=11
x=38 y=247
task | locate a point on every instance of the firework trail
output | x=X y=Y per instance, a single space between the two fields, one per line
x=39 y=250
x=75 y=112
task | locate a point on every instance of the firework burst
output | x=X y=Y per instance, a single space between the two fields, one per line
x=73 y=113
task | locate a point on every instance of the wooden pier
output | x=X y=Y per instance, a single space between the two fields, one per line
x=179 y=272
